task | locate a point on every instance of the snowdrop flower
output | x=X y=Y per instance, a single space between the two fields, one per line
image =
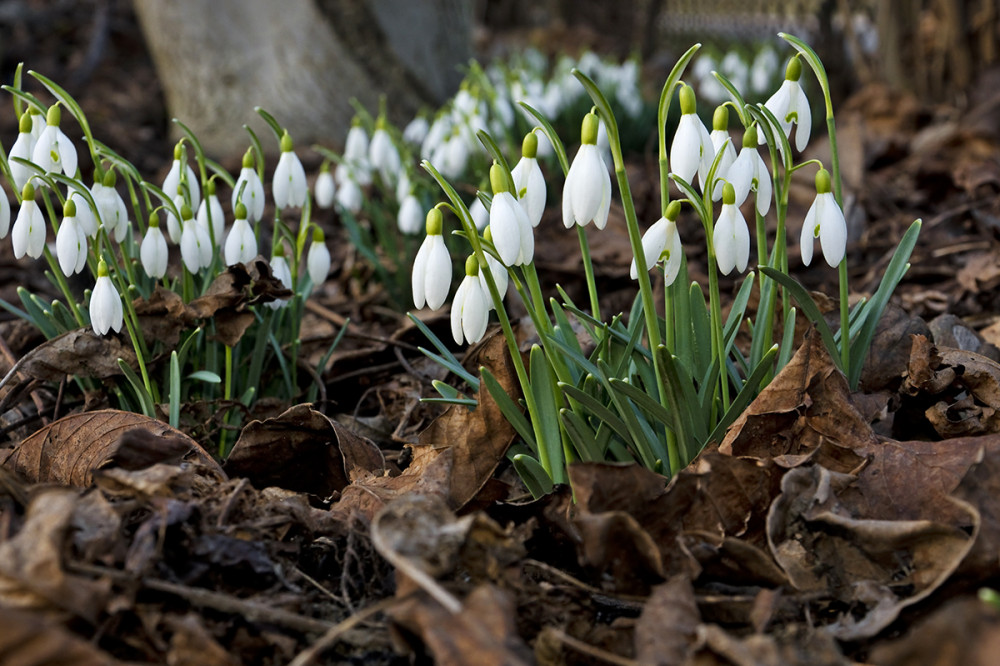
x=281 y=271
x=470 y=312
x=355 y=165
x=173 y=224
x=416 y=131
x=692 y=146
x=480 y=215
x=432 y=266
x=38 y=123
x=349 y=196
x=318 y=258
x=513 y=236
x=53 y=150
x=71 y=242
x=153 y=251
x=325 y=187
x=587 y=191
x=210 y=214
x=825 y=221
x=410 y=215
x=735 y=69
x=289 y=184
x=105 y=303
x=111 y=206
x=720 y=141
x=4 y=213
x=22 y=148
x=498 y=270
x=731 y=237
x=529 y=183
x=765 y=66
x=454 y=156
x=196 y=246
x=661 y=242
x=189 y=180
x=241 y=244
x=748 y=172
x=790 y=105
x=249 y=189
x=382 y=153
x=28 y=235
x=84 y=214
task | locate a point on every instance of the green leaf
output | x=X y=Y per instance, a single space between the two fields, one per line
x=738 y=102
x=446 y=358
x=145 y=400
x=509 y=409
x=546 y=419
x=271 y=122
x=809 y=308
x=643 y=400
x=206 y=376
x=534 y=475
x=175 y=390
x=599 y=410
x=750 y=390
x=584 y=439
x=550 y=132
x=787 y=340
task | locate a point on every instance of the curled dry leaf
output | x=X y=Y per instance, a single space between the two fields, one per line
x=77 y=352
x=667 y=628
x=305 y=451
x=963 y=631
x=28 y=640
x=69 y=450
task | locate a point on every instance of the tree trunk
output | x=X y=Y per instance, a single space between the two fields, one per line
x=302 y=61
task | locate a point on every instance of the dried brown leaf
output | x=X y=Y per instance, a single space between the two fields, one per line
x=964 y=631
x=77 y=352
x=69 y=450
x=303 y=450
x=667 y=628
x=28 y=640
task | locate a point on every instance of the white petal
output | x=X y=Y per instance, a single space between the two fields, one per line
x=418 y=276
x=68 y=246
x=153 y=253
x=741 y=173
x=325 y=189
x=778 y=105
x=410 y=216
x=475 y=312
x=724 y=239
x=801 y=106
x=806 y=237
x=457 y=304
x=217 y=223
x=281 y=183
x=673 y=266
x=505 y=227
x=318 y=263
x=653 y=242
x=832 y=230
x=763 y=186
x=741 y=237
x=23 y=147
x=437 y=280
x=4 y=213
x=685 y=151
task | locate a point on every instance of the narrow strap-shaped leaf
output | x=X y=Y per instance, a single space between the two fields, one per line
x=446 y=358
x=584 y=439
x=145 y=400
x=533 y=474
x=701 y=327
x=546 y=417
x=271 y=122
x=550 y=133
x=38 y=313
x=809 y=308
x=509 y=409
x=745 y=396
x=787 y=340
x=206 y=376
x=599 y=410
x=175 y=390
x=738 y=102
x=643 y=401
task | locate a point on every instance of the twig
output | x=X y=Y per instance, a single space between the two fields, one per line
x=327 y=640
x=588 y=649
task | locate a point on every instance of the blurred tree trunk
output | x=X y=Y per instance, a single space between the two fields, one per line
x=301 y=60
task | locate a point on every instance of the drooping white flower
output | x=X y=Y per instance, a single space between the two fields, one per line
x=248 y=189
x=825 y=221
x=105 y=303
x=84 y=214
x=661 y=242
x=22 y=148
x=720 y=141
x=480 y=215
x=692 y=146
x=289 y=183
x=499 y=271
x=416 y=130
x=470 y=312
x=53 y=151
x=789 y=104
x=38 y=123
x=196 y=246
x=111 y=206
x=349 y=196
x=241 y=244
x=355 y=165
x=210 y=214
x=281 y=271
x=174 y=228
x=454 y=156
x=28 y=234
x=325 y=188
x=731 y=237
x=431 y=277
x=513 y=235
x=153 y=251
x=529 y=183
x=4 y=213
x=71 y=242
x=318 y=258
x=410 y=215
x=189 y=184
x=749 y=172
x=383 y=154
x=587 y=190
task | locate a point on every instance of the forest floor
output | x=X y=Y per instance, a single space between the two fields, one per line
x=829 y=527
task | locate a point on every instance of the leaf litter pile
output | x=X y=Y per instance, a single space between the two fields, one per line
x=826 y=528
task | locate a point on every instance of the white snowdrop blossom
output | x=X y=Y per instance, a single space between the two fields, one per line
x=189 y=185
x=749 y=172
x=513 y=235
x=210 y=214
x=325 y=188
x=28 y=234
x=661 y=242
x=111 y=206
x=252 y=189
x=196 y=246
x=692 y=146
x=105 y=303
x=499 y=271
x=587 y=190
x=53 y=151
x=470 y=312
x=283 y=273
x=720 y=141
x=529 y=183
x=349 y=196
x=431 y=276
x=455 y=156
x=825 y=221
x=173 y=223
x=416 y=131
x=765 y=66
x=355 y=165
x=241 y=244
x=410 y=215
x=153 y=251
x=318 y=258
x=383 y=154
x=789 y=104
x=480 y=214
x=71 y=242
x=731 y=237
x=84 y=214
x=289 y=184
x=22 y=148
x=4 y=213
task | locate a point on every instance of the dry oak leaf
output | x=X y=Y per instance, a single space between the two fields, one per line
x=668 y=625
x=70 y=450
x=78 y=352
